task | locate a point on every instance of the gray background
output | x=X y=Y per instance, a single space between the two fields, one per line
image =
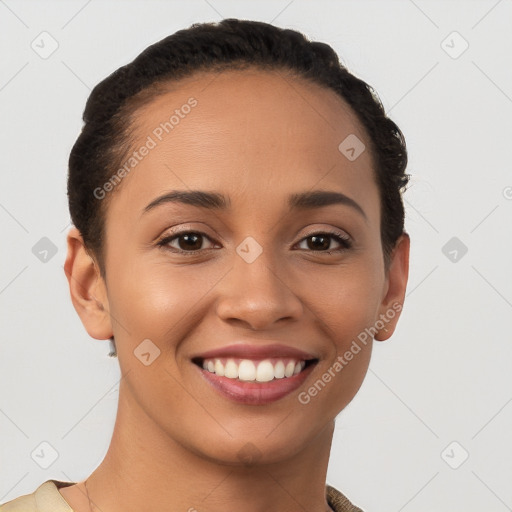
x=438 y=391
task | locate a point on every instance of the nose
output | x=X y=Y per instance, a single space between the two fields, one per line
x=257 y=296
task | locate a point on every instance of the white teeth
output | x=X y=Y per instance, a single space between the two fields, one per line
x=290 y=367
x=279 y=370
x=231 y=370
x=265 y=372
x=219 y=368
x=248 y=370
x=299 y=367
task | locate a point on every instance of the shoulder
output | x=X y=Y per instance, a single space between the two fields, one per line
x=337 y=501
x=46 y=498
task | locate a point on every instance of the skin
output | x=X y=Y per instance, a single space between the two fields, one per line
x=257 y=137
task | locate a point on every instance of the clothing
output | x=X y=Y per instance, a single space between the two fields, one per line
x=47 y=498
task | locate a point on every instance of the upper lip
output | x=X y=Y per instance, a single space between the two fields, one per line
x=245 y=351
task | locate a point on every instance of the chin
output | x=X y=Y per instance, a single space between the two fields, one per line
x=265 y=447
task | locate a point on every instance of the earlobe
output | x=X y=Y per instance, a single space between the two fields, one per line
x=398 y=274
x=87 y=288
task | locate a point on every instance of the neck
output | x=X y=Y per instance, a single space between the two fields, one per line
x=145 y=469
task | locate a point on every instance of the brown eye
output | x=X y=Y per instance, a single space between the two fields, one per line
x=188 y=241
x=321 y=242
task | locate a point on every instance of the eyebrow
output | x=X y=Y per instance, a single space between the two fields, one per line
x=214 y=201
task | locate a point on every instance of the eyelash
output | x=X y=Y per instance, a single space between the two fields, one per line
x=341 y=238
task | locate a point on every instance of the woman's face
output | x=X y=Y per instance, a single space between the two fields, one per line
x=261 y=277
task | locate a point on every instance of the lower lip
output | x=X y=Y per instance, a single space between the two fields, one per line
x=256 y=393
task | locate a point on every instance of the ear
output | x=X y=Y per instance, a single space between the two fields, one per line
x=87 y=288
x=396 y=283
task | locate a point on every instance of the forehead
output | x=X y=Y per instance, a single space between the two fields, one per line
x=256 y=133
x=251 y=101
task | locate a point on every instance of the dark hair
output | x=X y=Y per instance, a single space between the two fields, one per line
x=230 y=44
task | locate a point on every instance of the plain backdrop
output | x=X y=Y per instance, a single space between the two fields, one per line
x=430 y=428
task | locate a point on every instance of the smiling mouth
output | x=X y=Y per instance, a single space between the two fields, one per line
x=251 y=370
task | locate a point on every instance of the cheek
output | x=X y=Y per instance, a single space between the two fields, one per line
x=344 y=308
x=159 y=301
x=346 y=302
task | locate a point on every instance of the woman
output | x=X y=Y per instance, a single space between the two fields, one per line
x=239 y=236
